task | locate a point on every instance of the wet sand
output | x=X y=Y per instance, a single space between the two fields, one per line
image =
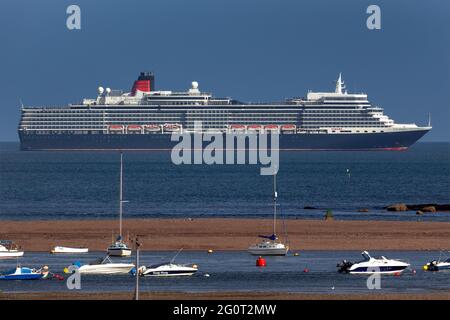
x=221 y=296
x=229 y=234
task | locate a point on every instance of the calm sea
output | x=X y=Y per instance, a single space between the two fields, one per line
x=236 y=271
x=81 y=185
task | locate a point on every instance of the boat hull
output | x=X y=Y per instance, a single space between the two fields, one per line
x=66 y=250
x=162 y=273
x=10 y=254
x=382 y=270
x=106 y=269
x=327 y=141
x=21 y=277
x=267 y=252
x=119 y=252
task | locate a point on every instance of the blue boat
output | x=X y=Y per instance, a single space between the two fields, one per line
x=22 y=273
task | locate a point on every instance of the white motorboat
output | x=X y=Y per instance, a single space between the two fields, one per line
x=168 y=269
x=119 y=247
x=68 y=250
x=104 y=267
x=370 y=265
x=9 y=249
x=270 y=245
x=443 y=263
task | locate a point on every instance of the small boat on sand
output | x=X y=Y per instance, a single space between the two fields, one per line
x=68 y=250
x=24 y=273
x=9 y=249
x=104 y=266
x=371 y=265
x=442 y=263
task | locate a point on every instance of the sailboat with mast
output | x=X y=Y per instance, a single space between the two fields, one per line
x=119 y=248
x=270 y=245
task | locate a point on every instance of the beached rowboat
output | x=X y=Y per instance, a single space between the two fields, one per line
x=59 y=249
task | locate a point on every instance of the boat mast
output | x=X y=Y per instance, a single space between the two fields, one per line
x=275 y=195
x=121 y=195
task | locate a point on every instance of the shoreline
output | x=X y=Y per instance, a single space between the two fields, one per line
x=226 y=295
x=159 y=234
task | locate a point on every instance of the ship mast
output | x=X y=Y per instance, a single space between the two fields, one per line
x=275 y=195
x=121 y=195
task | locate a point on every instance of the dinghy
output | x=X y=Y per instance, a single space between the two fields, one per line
x=68 y=250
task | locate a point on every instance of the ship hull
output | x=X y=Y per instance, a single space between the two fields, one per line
x=355 y=141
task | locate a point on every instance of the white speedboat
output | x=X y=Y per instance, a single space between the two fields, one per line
x=270 y=245
x=119 y=247
x=370 y=265
x=68 y=250
x=168 y=269
x=443 y=263
x=104 y=267
x=9 y=249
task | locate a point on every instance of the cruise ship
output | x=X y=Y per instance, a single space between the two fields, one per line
x=145 y=119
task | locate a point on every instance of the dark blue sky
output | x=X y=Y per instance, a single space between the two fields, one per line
x=253 y=50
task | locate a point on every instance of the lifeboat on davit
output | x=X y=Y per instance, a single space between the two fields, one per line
x=237 y=128
x=169 y=127
x=133 y=128
x=115 y=128
x=152 y=128
x=288 y=128
x=271 y=127
x=254 y=127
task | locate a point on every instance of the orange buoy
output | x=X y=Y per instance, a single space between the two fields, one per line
x=260 y=262
x=397 y=274
x=306 y=270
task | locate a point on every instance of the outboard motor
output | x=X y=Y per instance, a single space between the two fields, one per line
x=344 y=266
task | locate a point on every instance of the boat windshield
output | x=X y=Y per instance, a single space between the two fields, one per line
x=153 y=266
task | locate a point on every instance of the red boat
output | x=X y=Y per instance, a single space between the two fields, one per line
x=172 y=127
x=237 y=127
x=271 y=127
x=134 y=128
x=115 y=128
x=254 y=127
x=288 y=127
x=152 y=128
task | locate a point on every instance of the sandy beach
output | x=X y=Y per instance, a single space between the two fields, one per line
x=229 y=234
